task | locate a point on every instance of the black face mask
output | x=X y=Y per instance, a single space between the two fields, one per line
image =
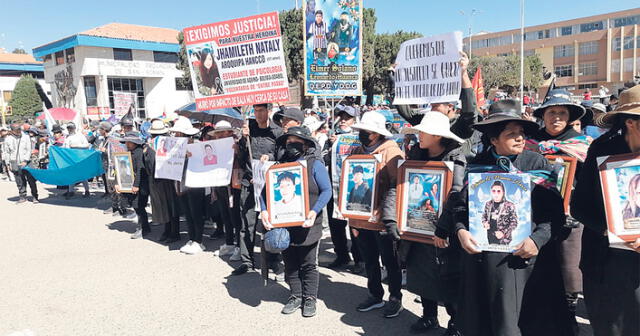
x=364 y=138
x=293 y=151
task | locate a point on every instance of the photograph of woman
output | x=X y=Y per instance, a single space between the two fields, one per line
x=209 y=72
x=209 y=158
x=631 y=210
x=499 y=217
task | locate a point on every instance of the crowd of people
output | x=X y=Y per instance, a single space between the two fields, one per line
x=532 y=291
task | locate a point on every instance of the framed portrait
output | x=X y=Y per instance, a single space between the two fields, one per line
x=499 y=210
x=566 y=175
x=287 y=194
x=422 y=189
x=124 y=171
x=620 y=180
x=358 y=187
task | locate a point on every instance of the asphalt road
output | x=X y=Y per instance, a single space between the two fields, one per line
x=67 y=269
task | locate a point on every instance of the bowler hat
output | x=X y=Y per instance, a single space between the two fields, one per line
x=300 y=132
x=134 y=137
x=560 y=97
x=504 y=111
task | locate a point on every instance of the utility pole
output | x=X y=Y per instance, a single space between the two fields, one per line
x=521 y=51
x=470 y=26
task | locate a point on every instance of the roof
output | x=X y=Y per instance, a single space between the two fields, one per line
x=134 y=32
x=18 y=59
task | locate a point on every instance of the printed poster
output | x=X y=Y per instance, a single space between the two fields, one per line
x=113 y=146
x=237 y=62
x=499 y=210
x=259 y=170
x=170 y=157
x=428 y=70
x=342 y=148
x=333 y=47
x=122 y=102
x=210 y=163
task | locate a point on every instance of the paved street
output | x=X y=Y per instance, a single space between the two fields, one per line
x=65 y=271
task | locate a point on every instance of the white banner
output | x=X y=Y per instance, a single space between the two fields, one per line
x=210 y=163
x=170 y=157
x=428 y=70
x=259 y=170
x=122 y=101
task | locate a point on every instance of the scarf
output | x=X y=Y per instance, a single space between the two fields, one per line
x=504 y=164
x=576 y=147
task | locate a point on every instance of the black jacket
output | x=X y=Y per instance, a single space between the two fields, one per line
x=263 y=142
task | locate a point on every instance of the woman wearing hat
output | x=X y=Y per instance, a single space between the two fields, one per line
x=301 y=258
x=611 y=275
x=558 y=112
x=519 y=293
x=374 y=244
x=432 y=270
x=164 y=200
x=140 y=191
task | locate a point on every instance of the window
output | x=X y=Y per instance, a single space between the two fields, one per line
x=71 y=55
x=589 y=48
x=564 y=70
x=626 y=21
x=181 y=85
x=529 y=52
x=47 y=58
x=588 y=86
x=128 y=85
x=59 y=57
x=587 y=69
x=566 y=50
x=165 y=57
x=122 y=54
x=90 y=92
x=628 y=43
x=568 y=30
x=627 y=65
x=592 y=26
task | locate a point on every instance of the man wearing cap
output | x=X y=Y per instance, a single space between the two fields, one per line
x=359 y=198
x=18 y=154
x=260 y=134
x=375 y=244
x=77 y=141
x=140 y=191
x=288 y=117
x=460 y=125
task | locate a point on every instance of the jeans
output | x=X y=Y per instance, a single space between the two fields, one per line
x=373 y=246
x=23 y=178
x=249 y=219
x=230 y=213
x=339 y=237
x=141 y=211
x=191 y=203
x=301 y=270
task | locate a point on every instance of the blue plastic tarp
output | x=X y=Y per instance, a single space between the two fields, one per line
x=68 y=166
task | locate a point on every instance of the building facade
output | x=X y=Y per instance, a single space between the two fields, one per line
x=87 y=70
x=12 y=66
x=584 y=53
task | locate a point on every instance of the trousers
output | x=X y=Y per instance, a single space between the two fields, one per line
x=249 y=219
x=430 y=309
x=339 y=237
x=301 y=270
x=23 y=178
x=374 y=246
x=141 y=211
x=191 y=203
x=229 y=213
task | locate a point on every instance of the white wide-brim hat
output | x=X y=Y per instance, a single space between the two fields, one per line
x=434 y=123
x=183 y=125
x=158 y=127
x=373 y=121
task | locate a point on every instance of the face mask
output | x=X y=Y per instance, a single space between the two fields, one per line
x=293 y=151
x=364 y=138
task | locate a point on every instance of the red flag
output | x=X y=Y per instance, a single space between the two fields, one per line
x=478 y=88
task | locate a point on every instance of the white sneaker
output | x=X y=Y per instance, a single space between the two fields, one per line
x=226 y=250
x=236 y=255
x=186 y=246
x=202 y=247
x=195 y=248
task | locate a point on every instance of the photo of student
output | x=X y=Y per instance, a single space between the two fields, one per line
x=359 y=198
x=209 y=158
x=631 y=210
x=209 y=73
x=290 y=201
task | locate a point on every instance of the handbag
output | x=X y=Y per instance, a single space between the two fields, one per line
x=277 y=240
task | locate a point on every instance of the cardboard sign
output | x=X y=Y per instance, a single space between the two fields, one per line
x=170 y=157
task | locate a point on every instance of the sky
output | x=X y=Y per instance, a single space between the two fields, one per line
x=30 y=23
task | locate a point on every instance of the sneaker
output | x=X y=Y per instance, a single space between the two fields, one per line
x=186 y=246
x=236 y=255
x=240 y=270
x=86 y=194
x=226 y=250
x=370 y=303
x=35 y=200
x=137 y=234
x=21 y=200
x=393 y=308
x=339 y=263
x=309 y=307
x=424 y=324
x=292 y=305
x=280 y=277
x=194 y=249
x=130 y=215
x=358 y=268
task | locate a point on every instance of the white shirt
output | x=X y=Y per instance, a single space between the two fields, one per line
x=76 y=140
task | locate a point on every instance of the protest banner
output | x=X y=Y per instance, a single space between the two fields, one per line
x=345 y=143
x=122 y=102
x=259 y=170
x=333 y=48
x=170 y=157
x=210 y=163
x=428 y=70
x=237 y=62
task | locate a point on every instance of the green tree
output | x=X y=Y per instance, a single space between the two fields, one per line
x=385 y=52
x=368 y=51
x=503 y=72
x=18 y=51
x=183 y=62
x=25 y=100
x=293 y=43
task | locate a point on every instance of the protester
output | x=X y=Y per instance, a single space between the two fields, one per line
x=373 y=244
x=77 y=141
x=301 y=258
x=139 y=195
x=506 y=294
x=611 y=287
x=288 y=117
x=433 y=270
x=4 y=166
x=101 y=143
x=18 y=153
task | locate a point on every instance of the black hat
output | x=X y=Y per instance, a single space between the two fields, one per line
x=301 y=132
x=71 y=125
x=43 y=132
x=587 y=117
x=358 y=169
x=33 y=130
x=560 y=97
x=126 y=122
x=56 y=129
x=504 y=111
x=289 y=112
x=132 y=136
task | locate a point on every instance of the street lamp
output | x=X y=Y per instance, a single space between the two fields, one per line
x=521 y=51
x=470 y=24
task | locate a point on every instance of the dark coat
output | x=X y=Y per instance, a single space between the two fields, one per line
x=140 y=178
x=263 y=142
x=505 y=295
x=164 y=200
